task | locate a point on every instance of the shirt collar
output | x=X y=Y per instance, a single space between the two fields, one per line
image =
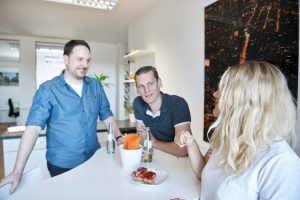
x=148 y=112
x=163 y=107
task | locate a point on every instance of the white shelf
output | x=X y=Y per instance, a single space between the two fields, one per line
x=137 y=54
x=129 y=81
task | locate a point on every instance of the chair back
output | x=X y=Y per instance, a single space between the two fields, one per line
x=12 y=111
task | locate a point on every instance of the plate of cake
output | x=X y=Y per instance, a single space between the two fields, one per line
x=149 y=176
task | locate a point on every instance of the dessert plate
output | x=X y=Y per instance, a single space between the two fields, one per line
x=161 y=176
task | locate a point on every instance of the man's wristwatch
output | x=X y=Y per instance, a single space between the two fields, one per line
x=118 y=137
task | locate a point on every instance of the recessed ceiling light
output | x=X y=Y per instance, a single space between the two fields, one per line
x=100 y=4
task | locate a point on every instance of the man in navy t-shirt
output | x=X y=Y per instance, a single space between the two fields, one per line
x=166 y=115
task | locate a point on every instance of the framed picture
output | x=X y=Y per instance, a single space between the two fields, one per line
x=237 y=31
x=9 y=78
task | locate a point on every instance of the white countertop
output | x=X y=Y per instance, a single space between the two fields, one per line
x=125 y=127
x=102 y=177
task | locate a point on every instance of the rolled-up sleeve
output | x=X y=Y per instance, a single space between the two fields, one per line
x=104 y=110
x=40 y=108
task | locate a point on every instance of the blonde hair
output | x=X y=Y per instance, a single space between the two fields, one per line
x=256 y=108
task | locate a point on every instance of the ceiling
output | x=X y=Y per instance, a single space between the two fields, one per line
x=39 y=18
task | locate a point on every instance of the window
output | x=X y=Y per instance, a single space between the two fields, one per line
x=9 y=62
x=49 y=61
x=9 y=50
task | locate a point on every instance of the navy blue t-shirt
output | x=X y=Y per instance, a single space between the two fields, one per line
x=174 y=111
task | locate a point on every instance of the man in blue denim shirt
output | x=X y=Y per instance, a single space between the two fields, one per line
x=69 y=105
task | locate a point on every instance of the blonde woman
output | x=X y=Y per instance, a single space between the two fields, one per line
x=252 y=138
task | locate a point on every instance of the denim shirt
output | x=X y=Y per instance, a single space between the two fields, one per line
x=71 y=120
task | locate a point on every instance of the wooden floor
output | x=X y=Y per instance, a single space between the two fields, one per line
x=3 y=126
x=1 y=160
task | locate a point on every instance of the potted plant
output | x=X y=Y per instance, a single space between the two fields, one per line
x=102 y=79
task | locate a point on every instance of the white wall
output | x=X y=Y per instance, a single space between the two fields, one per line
x=175 y=32
x=105 y=59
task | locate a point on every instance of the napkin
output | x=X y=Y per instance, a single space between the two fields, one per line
x=131 y=141
x=14 y=129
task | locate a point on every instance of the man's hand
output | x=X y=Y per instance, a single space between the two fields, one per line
x=120 y=140
x=141 y=129
x=14 y=179
x=184 y=139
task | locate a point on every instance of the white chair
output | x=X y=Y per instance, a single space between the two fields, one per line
x=29 y=178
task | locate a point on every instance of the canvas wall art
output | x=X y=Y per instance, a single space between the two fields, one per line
x=9 y=78
x=241 y=30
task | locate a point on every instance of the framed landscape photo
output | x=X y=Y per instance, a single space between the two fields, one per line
x=9 y=78
x=237 y=31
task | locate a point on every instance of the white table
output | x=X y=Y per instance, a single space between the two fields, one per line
x=102 y=177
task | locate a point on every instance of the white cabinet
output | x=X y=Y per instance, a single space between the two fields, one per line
x=37 y=157
x=102 y=138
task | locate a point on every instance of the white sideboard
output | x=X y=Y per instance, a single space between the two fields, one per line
x=36 y=159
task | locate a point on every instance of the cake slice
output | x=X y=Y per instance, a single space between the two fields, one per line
x=138 y=175
x=149 y=177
